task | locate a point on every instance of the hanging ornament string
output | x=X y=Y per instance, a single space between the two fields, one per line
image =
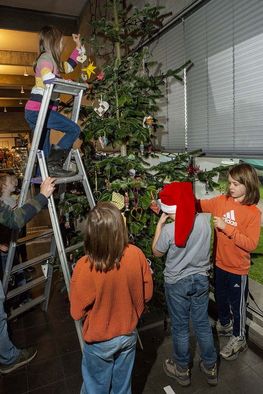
x=96 y=192
x=126 y=201
x=136 y=211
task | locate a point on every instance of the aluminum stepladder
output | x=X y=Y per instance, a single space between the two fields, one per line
x=57 y=246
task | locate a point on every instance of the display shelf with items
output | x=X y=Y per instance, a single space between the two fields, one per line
x=20 y=160
x=13 y=160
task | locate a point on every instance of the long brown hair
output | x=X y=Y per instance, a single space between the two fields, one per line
x=49 y=41
x=247 y=176
x=105 y=237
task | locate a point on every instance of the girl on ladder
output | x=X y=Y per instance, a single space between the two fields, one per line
x=47 y=67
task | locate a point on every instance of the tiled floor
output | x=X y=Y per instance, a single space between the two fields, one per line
x=56 y=369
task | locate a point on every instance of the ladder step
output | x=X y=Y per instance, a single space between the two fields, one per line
x=34 y=236
x=68 y=87
x=31 y=262
x=21 y=289
x=25 y=307
x=75 y=178
x=74 y=247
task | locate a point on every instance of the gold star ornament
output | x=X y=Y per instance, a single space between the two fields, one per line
x=89 y=69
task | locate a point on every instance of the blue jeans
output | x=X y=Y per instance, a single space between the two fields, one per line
x=54 y=120
x=107 y=366
x=231 y=291
x=188 y=298
x=8 y=352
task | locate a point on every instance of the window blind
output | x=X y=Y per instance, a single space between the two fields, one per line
x=224 y=40
x=168 y=51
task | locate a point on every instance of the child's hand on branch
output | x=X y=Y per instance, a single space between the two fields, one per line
x=219 y=223
x=76 y=39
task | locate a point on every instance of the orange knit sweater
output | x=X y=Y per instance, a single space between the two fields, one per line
x=110 y=303
x=240 y=236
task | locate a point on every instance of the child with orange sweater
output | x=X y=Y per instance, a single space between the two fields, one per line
x=237 y=230
x=108 y=291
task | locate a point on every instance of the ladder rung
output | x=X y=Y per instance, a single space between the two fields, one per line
x=74 y=247
x=25 y=307
x=71 y=179
x=31 y=262
x=68 y=87
x=21 y=289
x=31 y=237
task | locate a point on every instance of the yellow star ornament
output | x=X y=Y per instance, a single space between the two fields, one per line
x=89 y=69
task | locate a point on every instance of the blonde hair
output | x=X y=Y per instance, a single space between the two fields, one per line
x=247 y=176
x=49 y=40
x=106 y=237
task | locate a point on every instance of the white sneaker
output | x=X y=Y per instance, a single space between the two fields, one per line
x=234 y=346
x=226 y=330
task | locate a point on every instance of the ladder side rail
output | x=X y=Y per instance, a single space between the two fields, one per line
x=76 y=106
x=28 y=175
x=74 y=118
x=9 y=263
x=55 y=223
x=85 y=180
x=35 y=142
x=50 y=269
x=58 y=238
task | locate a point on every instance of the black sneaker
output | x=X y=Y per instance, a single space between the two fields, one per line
x=181 y=375
x=25 y=356
x=210 y=373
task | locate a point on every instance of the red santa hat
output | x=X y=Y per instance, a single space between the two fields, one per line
x=178 y=198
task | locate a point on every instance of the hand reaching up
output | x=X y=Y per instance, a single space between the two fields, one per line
x=76 y=39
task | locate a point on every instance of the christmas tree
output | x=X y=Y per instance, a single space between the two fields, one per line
x=120 y=124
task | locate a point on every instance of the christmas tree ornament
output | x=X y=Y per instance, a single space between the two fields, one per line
x=84 y=77
x=103 y=140
x=101 y=76
x=67 y=222
x=102 y=108
x=136 y=212
x=132 y=172
x=126 y=201
x=142 y=148
x=81 y=58
x=118 y=200
x=154 y=206
x=147 y=121
x=96 y=192
x=89 y=69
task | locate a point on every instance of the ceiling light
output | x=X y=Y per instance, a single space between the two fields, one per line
x=25 y=73
x=22 y=90
x=5 y=110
